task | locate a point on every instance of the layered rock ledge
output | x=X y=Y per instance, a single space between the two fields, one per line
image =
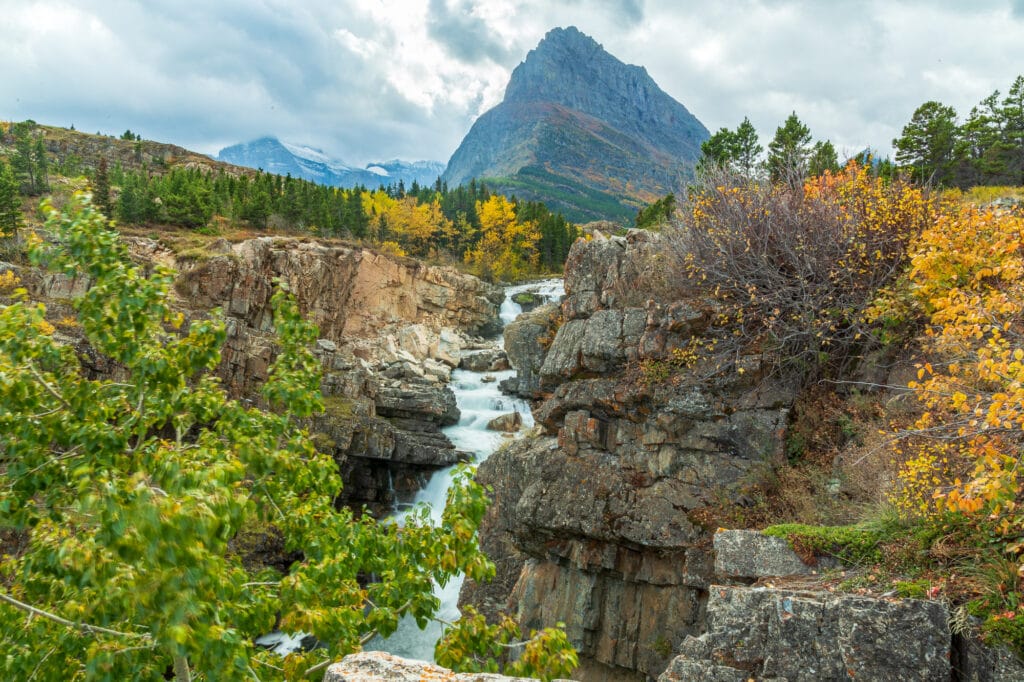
x=391 y=331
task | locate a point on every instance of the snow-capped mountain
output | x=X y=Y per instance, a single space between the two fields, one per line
x=308 y=163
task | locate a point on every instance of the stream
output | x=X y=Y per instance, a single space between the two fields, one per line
x=479 y=402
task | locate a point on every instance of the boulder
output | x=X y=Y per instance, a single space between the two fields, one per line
x=800 y=636
x=750 y=554
x=509 y=423
x=378 y=666
x=487 y=360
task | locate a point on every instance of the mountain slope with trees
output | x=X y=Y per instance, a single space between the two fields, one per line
x=142 y=183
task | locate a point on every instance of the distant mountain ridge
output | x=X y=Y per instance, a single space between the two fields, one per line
x=584 y=132
x=282 y=158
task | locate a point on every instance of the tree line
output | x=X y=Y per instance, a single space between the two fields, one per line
x=987 y=148
x=792 y=153
x=520 y=239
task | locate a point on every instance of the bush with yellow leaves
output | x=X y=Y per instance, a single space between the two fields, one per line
x=795 y=267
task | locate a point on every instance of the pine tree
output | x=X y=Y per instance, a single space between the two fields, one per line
x=789 y=151
x=10 y=204
x=42 y=167
x=747 y=149
x=823 y=158
x=101 y=189
x=1013 y=121
x=22 y=161
x=927 y=142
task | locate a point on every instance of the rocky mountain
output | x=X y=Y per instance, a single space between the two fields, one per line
x=579 y=129
x=307 y=163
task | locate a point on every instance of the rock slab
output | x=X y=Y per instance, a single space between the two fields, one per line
x=775 y=634
x=750 y=554
x=377 y=666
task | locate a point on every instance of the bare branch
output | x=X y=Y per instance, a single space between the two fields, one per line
x=84 y=627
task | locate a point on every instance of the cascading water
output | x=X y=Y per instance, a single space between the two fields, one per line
x=479 y=402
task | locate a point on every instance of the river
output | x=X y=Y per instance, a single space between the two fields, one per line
x=479 y=402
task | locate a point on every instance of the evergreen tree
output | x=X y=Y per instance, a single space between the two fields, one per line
x=42 y=167
x=1013 y=127
x=927 y=142
x=101 y=189
x=23 y=162
x=823 y=158
x=747 y=149
x=718 y=150
x=10 y=204
x=737 y=150
x=979 y=150
x=789 y=151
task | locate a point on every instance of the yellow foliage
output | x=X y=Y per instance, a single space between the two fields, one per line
x=392 y=249
x=967 y=273
x=8 y=280
x=507 y=248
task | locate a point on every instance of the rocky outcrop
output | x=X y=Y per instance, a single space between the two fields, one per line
x=349 y=293
x=377 y=666
x=748 y=554
x=772 y=634
x=391 y=330
x=525 y=346
x=592 y=523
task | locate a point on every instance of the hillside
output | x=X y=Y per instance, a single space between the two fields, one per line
x=583 y=131
x=73 y=152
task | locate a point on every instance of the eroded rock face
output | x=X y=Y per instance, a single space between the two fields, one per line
x=525 y=346
x=591 y=523
x=390 y=329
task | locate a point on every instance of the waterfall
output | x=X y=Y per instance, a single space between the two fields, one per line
x=479 y=402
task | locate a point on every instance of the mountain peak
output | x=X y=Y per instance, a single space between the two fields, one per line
x=572 y=110
x=310 y=163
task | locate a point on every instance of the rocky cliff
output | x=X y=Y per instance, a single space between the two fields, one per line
x=595 y=518
x=601 y=518
x=391 y=330
x=581 y=131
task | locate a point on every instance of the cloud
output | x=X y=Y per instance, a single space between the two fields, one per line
x=391 y=78
x=464 y=33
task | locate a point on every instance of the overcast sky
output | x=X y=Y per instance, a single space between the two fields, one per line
x=371 y=80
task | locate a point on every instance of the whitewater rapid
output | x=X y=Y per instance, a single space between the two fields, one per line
x=479 y=402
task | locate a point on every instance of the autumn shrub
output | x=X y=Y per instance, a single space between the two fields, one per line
x=960 y=460
x=966 y=274
x=794 y=267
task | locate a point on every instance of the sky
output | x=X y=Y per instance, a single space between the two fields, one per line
x=373 y=80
